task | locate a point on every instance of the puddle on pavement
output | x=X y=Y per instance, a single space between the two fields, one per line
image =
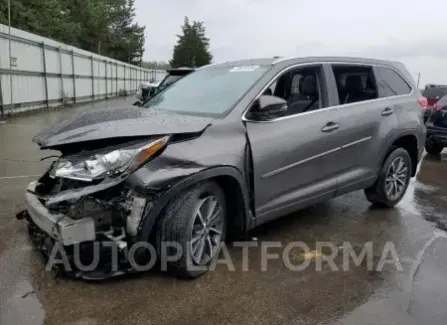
x=427 y=194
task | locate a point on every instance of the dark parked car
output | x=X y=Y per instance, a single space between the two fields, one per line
x=433 y=93
x=172 y=75
x=225 y=149
x=437 y=127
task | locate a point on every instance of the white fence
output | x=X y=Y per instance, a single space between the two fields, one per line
x=46 y=73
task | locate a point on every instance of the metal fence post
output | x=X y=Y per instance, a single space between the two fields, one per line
x=107 y=81
x=74 y=76
x=45 y=74
x=1 y=97
x=61 y=74
x=125 y=86
x=116 y=72
x=93 y=77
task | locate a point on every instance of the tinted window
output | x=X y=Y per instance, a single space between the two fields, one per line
x=391 y=83
x=208 y=92
x=355 y=83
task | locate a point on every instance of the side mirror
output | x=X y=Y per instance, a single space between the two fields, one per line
x=269 y=107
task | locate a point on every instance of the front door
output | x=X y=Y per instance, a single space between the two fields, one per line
x=292 y=154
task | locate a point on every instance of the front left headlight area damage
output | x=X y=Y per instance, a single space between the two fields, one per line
x=84 y=216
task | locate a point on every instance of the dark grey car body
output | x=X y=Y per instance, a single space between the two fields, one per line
x=266 y=168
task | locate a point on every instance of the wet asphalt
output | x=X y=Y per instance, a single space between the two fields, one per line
x=414 y=293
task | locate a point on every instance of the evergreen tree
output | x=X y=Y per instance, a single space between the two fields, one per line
x=105 y=27
x=126 y=39
x=48 y=18
x=192 y=48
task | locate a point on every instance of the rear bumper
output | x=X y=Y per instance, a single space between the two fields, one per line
x=438 y=135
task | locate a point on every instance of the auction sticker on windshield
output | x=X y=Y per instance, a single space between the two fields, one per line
x=247 y=68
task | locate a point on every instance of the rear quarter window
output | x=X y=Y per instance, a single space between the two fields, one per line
x=390 y=83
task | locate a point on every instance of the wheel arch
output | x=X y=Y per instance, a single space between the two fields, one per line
x=232 y=182
x=408 y=141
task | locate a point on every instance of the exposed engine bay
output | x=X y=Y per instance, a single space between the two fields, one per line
x=83 y=199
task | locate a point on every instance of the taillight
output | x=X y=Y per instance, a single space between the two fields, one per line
x=423 y=102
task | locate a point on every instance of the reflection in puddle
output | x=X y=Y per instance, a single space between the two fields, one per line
x=427 y=194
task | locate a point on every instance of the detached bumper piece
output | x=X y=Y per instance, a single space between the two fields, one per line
x=92 y=244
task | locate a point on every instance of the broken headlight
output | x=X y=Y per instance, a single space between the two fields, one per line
x=108 y=164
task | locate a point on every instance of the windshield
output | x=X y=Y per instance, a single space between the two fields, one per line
x=208 y=92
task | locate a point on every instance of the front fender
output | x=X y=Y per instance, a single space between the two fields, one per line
x=149 y=219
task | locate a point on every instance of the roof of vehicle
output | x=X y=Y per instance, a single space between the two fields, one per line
x=435 y=86
x=313 y=59
x=433 y=92
x=297 y=60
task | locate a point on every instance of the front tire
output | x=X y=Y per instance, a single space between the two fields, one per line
x=196 y=221
x=433 y=148
x=393 y=180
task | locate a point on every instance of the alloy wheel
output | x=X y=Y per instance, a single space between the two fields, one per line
x=396 y=179
x=207 y=229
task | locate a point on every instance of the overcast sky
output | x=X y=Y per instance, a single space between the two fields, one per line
x=410 y=31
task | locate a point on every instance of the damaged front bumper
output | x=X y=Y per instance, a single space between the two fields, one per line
x=58 y=226
x=93 y=241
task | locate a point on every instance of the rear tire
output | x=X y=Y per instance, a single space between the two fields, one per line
x=198 y=212
x=393 y=179
x=433 y=148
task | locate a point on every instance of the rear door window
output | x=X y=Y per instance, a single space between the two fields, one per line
x=390 y=83
x=355 y=83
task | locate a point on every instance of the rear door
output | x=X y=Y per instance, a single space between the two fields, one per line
x=292 y=154
x=365 y=121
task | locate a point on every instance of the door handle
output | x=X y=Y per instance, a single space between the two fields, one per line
x=330 y=126
x=387 y=111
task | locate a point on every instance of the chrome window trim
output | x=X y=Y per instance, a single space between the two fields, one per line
x=245 y=119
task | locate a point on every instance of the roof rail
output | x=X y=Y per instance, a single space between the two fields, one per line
x=282 y=59
x=210 y=65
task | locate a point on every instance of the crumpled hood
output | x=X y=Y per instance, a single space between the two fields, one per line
x=118 y=123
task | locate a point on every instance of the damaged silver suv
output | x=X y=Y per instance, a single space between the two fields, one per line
x=226 y=148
